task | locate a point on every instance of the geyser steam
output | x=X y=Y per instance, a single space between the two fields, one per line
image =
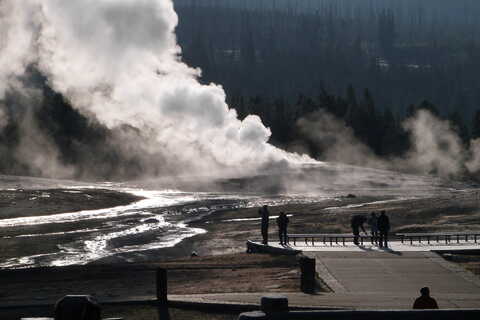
x=117 y=61
x=435 y=146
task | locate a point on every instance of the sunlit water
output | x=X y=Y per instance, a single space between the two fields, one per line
x=162 y=218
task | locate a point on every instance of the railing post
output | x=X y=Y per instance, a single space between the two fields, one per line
x=161 y=278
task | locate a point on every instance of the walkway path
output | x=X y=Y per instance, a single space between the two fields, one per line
x=398 y=275
x=337 y=300
x=393 y=246
x=367 y=278
x=370 y=278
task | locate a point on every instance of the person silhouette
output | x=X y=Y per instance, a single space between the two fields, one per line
x=263 y=212
x=383 y=224
x=373 y=223
x=357 y=223
x=425 y=301
x=282 y=222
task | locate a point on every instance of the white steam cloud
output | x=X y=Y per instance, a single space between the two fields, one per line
x=118 y=61
x=473 y=164
x=436 y=147
x=336 y=141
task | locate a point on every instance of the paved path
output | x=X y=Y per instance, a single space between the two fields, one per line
x=393 y=246
x=396 y=275
x=370 y=278
x=337 y=300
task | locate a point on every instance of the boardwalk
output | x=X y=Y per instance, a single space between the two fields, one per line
x=370 y=278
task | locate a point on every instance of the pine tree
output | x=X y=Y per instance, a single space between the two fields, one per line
x=426 y=105
x=476 y=125
x=458 y=124
x=352 y=107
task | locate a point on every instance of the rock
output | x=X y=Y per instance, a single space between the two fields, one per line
x=253 y=315
x=274 y=303
x=77 y=307
x=350 y=195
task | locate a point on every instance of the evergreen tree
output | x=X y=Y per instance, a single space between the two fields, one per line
x=426 y=105
x=351 y=117
x=476 y=125
x=458 y=124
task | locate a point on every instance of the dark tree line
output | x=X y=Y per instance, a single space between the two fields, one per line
x=380 y=129
x=285 y=60
x=403 y=51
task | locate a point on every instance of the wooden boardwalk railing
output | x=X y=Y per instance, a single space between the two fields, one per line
x=439 y=236
x=330 y=238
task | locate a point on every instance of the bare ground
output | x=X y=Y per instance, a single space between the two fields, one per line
x=470 y=262
x=212 y=274
x=26 y=203
x=226 y=234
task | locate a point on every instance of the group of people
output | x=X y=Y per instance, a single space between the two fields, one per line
x=379 y=228
x=282 y=223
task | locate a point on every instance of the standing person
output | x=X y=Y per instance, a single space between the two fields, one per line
x=425 y=301
x=373 y=223
x=383 y=224
x=263 y=212
x=282 y=222
x=357 y=224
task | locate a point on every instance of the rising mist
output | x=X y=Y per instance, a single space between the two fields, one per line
x=117 y=63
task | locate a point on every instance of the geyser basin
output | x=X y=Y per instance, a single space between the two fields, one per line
x=161 y=219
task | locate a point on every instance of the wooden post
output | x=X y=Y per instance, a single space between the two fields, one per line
x=162 y=298
x=307 y=269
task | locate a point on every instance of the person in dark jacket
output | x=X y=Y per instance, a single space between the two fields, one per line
x=263 y=212
x=425 y=301
x=282 y=222
x=373 y=223
x=383 y=224
x=357 y=224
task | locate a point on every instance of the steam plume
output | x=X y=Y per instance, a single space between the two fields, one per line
x=436 y=147
x=117 y=61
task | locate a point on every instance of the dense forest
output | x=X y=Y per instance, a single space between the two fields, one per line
x=404 y=52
